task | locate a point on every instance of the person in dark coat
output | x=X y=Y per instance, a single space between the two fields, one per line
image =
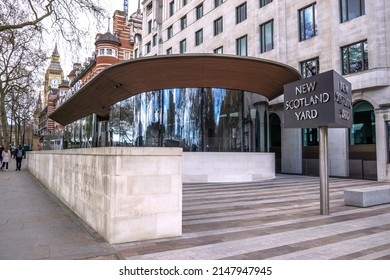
x=19 y=154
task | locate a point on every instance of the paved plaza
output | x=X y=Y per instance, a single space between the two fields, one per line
x=273 y=219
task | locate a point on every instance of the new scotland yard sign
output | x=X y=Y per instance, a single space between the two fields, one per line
x=318 y=101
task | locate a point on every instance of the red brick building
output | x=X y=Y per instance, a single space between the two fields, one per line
x=110 y=48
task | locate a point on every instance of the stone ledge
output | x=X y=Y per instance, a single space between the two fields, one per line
x=365 y=197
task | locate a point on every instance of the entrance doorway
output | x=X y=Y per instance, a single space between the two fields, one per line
x=276 y=140
x=362 y=148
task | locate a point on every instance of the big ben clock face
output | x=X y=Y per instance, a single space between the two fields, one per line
x=54 y=82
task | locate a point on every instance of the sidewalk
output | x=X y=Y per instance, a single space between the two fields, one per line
x=34 y=225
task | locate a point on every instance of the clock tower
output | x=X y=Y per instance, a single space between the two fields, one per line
x=54 y=74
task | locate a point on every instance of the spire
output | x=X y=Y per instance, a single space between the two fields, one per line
x=108 y=29
x=55 y=51
x=139 y=7
x=126 y=7
x=55 y=57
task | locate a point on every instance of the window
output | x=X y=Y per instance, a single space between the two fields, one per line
x=149 y=7
x=154 y=40
x=267 y=36
x=199 y=37
x=355 y=57
x=218 y=26
x=109 y=51
x=127 y=55
x=264 y=2
x=185 y=2
x=217 y=3
x=183 y=46
x=149 y=26
x=170 y=32
x=136 y=53
x=308 y=22
x=363 y=126
x=241 y=46
x=183 y=22
x=310 y=67
x=219 y=50
x=101 y=52
x=351 y=9
x=199 y=11
x=169 y=51
x=311 y=137
x=148 y=47
x=241 y=13
x=171 y=8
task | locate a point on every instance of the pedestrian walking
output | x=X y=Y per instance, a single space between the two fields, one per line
x=6 y=154
x=1 y=154
x=19 y=154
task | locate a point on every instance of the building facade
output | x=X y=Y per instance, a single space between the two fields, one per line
x=110 y=48
x=49 y=130
x=348 y=36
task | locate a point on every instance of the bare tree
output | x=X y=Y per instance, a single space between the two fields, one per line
x=70 y=18
x=21 y=58
x=23 y=26
x=20 y=110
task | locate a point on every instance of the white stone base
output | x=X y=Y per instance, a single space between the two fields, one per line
x=227 y=167
x=125 y=194
x=367 y=197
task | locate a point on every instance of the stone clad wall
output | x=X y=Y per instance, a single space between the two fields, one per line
x=125 y=194
x=227 y=167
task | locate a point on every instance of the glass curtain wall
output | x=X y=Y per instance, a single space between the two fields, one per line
x=196 y=119
x=79 y=134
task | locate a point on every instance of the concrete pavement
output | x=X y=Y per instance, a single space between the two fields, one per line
x=273 y=219
x=35 y=225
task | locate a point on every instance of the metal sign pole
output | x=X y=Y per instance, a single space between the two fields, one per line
x=324 y=172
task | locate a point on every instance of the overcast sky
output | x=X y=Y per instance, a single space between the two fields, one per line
x=113 y=5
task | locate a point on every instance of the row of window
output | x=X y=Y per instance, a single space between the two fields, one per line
x=108 y=52
x=354 y=56
x=307 y=21
x=112 y=52
x=350 y=9
x=354 y=59
x=171 y=10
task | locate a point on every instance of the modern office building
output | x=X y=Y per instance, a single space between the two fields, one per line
x=348 y=36
x=208 y=78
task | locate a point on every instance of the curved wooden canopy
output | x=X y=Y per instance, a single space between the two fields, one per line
x=129 y=78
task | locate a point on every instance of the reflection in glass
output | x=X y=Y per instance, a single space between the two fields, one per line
x=355 y=57
x=351 y=9
x=308 y=22
x=196 y=119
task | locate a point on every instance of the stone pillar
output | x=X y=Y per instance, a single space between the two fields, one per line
x=261 y=109
x=292 y=150
x=382 y=150
x=338 y=152
x=103 y=134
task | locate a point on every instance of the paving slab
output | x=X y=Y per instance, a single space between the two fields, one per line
x=272 y=219
x=35 y=225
